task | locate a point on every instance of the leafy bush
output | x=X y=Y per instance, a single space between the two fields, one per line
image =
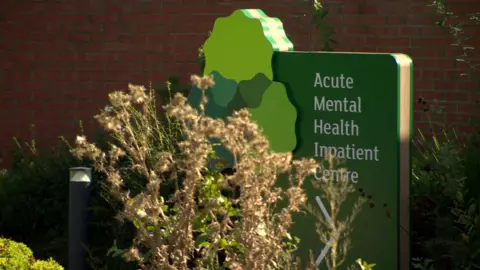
x=17 y=256
x=14 y=255
x=446 y=174
x=34 y=200
x=35 y=191
x=446 y=203
x=50 y=264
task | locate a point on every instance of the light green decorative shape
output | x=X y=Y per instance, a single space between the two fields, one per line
x=223 y=91
x=277 y=116
x=242 y=45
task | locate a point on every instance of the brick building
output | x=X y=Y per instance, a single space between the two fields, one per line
x=59 y=59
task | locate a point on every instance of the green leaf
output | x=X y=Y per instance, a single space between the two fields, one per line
x=201 y=239
x=113 y=248
x=199 y=223
x=146 y=256
x=118 y=253
x=204 y=244
x=150 y=228
x=232 y=212
x=472 y=209
x=441 y=23
x=223 y=243
x=136 y=224
x=234 y=244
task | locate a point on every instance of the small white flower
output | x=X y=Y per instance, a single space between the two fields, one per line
x=261 y=230
x=141 y=213
x=80 y=140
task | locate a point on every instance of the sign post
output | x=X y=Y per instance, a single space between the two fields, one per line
x=353 y=106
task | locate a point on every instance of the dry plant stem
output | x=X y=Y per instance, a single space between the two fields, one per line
x=260 y=231
x=336 y=193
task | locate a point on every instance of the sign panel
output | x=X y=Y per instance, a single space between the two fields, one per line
x=355 y=107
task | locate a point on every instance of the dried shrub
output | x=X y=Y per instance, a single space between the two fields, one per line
x=199 y=226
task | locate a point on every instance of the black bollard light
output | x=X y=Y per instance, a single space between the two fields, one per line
x=78 y=197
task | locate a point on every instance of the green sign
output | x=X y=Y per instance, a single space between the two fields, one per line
x=354 y=106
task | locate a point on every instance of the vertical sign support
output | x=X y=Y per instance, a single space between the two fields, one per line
x=405 y=130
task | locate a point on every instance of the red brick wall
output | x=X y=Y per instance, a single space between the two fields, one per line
x=59 y=59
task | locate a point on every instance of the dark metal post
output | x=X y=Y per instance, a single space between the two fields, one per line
x=79 y=193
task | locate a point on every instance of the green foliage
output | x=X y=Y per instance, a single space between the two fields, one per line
x=35 y=191
x=17 y=256
x=446 y=170
x=364 y=265
x=173 y=85
x=201 y=57
x=211 y=191
x=34 y=197
x=209 y=251
x=14 y=255
x=446 y=203
x=319 y=15
x=50 y=264
x=454 y=24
